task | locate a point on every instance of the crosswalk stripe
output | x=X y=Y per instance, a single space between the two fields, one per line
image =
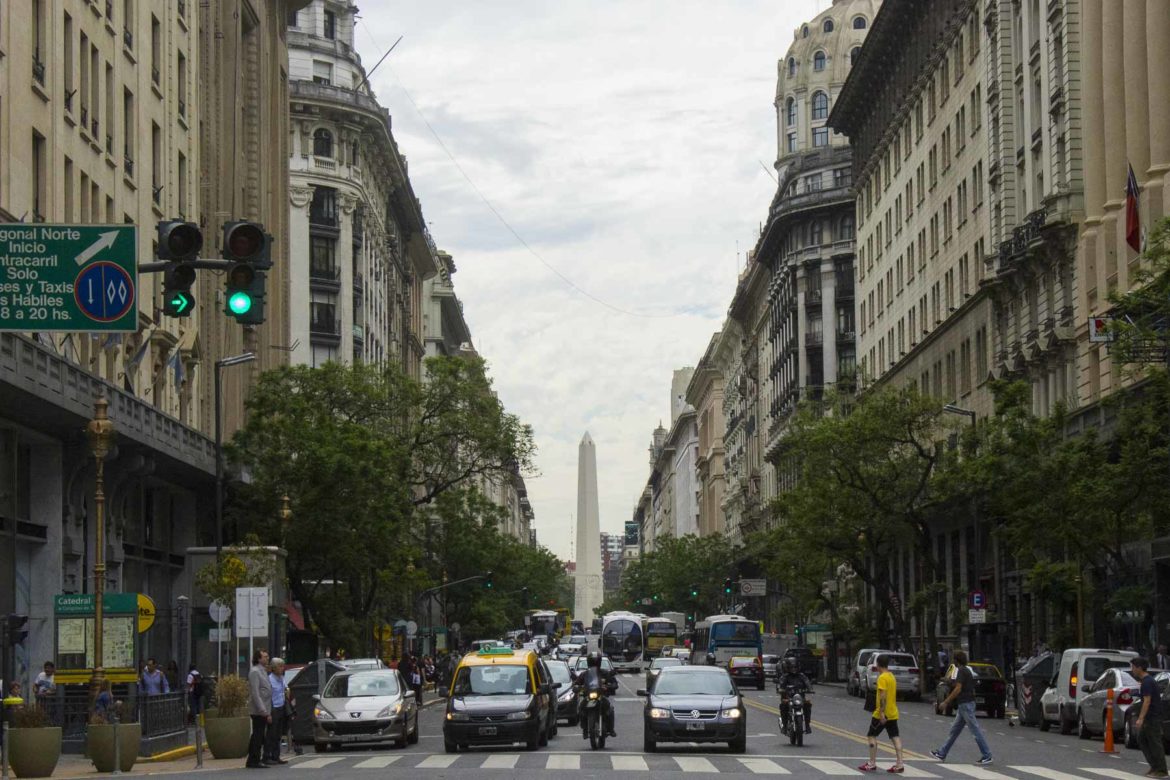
x=694 y=764
x=379 y=762
x=1051 y=774
x=1117 y=773
x=629 y=763
x=499 y=761
x=913 y=771
x=570 y=761
x=764 y=766
x=830 y=767
x=978 y=772
x=437 y=762
x=316 y=763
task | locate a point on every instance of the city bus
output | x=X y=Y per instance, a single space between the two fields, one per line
x=657 y=633
x=546 y=622
x=726 y=636
x=621 y=640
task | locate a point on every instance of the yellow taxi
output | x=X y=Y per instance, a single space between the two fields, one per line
x=500 y=696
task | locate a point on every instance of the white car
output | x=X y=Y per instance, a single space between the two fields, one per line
x=1078 y=669
x=903 y=666
x=861 y=663
x=566 y=651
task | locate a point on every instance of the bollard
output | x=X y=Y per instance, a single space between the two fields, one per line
x=117 y=745
x=198 y=740
x=4 y=742
x=1108 y=723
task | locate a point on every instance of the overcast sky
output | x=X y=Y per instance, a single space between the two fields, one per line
x=622 y=140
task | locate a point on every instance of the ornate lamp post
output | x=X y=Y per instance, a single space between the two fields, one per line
x=100 y=432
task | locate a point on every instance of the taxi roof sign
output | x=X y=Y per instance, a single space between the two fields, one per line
x=495 y=651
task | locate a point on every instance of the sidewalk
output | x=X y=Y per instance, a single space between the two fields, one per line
x=74 y=765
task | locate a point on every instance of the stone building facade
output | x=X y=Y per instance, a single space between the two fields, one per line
x=705 y=394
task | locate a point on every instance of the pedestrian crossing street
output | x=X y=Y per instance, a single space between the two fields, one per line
x=713 y=764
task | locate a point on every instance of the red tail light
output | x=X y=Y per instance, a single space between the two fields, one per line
x=997 y=686
x=1125 y=697
x=913 y=671
x=873 y=668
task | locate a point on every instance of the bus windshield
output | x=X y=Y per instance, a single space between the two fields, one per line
x=621 y=639
x=736 y=632
x=657 y=628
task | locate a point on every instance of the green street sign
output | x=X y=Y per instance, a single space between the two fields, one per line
x=68 y=277
x=83 y=603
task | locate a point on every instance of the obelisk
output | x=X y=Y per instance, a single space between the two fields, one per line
x=589 y=591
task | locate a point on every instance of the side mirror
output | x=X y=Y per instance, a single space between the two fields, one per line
x=643 y=692
x=557 y=685
x=316 y=697
x=408 y=694
x=1086 y=688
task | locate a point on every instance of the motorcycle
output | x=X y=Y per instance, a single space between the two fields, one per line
x=793 y=726
x=592 y=720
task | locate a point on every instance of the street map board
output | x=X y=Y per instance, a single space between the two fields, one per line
x=68 y=277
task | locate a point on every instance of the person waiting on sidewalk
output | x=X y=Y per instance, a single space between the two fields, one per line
x=153 y=681
x=885 y=718
x=962 y=695
x=259 y=708
x=194 y=693
x=1149 y=719
x=276 y=722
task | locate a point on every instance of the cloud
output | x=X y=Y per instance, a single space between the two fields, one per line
x=622 y=139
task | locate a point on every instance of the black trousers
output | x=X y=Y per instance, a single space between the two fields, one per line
x=273 y=735
x=256 y=743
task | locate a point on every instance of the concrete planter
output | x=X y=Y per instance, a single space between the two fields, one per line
x=34 y=752
x=228 y=737
x=99 y=745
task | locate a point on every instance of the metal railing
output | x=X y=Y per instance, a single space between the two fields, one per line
x=328 y=273
x=165 y=713
x=325 y=327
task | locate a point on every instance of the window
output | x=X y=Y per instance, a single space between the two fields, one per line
x=842 y=177
x=819 y=61
x=804 y=31
x=323 y=209
x=292 y=18
x=791 y=67
x=820 y=105
x=155 y=50
x=38 y=41
x=791 y=143
x=322 y=142
x=790 y=112
x=322 y=257
x=181 y=75
x=129 y=123
x=68 y=63
x=828 y=26
x=846 y=232
x=322 y=72
x=156 y=168
x=128 y=23
x=182 y=185
x=354 y=158
x=330 y=25
x=820 y=137
x=40 y=202
x=859 y=23
x=854 y=53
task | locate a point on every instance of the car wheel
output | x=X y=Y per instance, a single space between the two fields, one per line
x=543 y=736
x=413 y=738
x=534 y=742
x=760 y=687
x=739 y=744
x=1131 y=740
x=320 y=747
x=1066 y=726
x=1044 y=724
x=1082 y=727
x=450 y=746
x=648 y=743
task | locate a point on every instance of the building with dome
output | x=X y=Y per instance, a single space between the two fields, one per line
x=791 y=327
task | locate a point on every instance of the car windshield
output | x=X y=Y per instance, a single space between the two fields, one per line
x=578 y=639
x=380 y=683
x=662 y=663
x=559 y=671
x=694 y=682
x=494 y=680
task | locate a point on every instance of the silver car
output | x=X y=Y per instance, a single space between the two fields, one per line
x=1091 y=718
x=771 y=666
x=371 y=707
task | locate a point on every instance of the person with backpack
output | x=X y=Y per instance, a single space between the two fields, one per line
x=194 y=693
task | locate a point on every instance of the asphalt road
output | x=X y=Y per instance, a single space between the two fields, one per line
x=835 y=748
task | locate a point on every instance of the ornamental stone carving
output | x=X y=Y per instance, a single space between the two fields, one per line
x=300 y=197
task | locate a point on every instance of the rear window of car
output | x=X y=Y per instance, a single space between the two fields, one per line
x=1095 y=666
x=771 y=659
x=743 y=661
x=985 y=670
x=863 y=658
x=897 y=659
x=659 y=663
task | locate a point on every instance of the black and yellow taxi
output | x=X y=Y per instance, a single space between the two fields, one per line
x=499 y=696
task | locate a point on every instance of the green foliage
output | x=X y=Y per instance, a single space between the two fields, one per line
x=1141 y=316
x=675 y=565
x=237 y=567
x=30 y=718
x=231 y=696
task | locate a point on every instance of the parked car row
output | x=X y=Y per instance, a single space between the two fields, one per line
x=864 y=674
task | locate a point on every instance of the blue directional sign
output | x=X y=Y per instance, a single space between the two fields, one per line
x=68 y=277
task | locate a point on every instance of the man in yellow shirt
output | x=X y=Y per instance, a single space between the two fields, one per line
x=885 y=718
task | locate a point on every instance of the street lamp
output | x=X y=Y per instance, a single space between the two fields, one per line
x=220 y=365
x=100 y=432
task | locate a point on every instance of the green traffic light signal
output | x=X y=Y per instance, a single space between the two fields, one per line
x=240 y=302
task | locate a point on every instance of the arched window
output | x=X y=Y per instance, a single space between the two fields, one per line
x=791 y=67
x=828 y=25
x=790 y=112
x=854 y=53
x=819 y=61
x=859 y=23
x=804 y=32
x=322 y=142
x=846 y=232
x=817 y=233
x=820 y=105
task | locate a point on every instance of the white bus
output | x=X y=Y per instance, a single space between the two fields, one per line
x=725 y=637
x=621 y=640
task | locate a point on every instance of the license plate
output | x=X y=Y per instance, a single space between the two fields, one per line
x=980 y=700
x=487 y=731
x=696 y=726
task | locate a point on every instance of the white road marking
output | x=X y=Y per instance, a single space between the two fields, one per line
x=629 y=763
x=830 y=767
x=764 y=766
x=500 y=761
x=913 y=771
x=316 y=763
x=978 y=772
x=694 y=764
x=376 y=763
x=1118 y=773
x=437 y=762
x=1051 y=774
x=564 y=761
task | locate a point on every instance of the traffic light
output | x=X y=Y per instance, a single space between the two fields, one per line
x=17 y=629
x=727 y=586
x=656 y=597
x=487 y=581
x=798 y=629
x=694 y=591
x=248 y=252
x=179 y=244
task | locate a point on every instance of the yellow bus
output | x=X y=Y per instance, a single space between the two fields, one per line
x=657 y=633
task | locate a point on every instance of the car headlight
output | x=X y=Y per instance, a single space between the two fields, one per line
x=658 y=712
x=320 y=713
x=565 y=696
x=390 y=711
x=524 y=715
x=458 y=716
x=732 y=713
x=594 y=695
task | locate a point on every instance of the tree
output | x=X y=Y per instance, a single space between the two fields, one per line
x=677 y=564
x=358 y=450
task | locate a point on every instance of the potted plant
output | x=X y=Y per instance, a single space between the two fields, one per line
x=115 y=718
x=227 y=726
x=34 y=744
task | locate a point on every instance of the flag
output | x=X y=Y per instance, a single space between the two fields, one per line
x=1133 y=219
x=141 y=353
x=111 y=340
x=176 y=362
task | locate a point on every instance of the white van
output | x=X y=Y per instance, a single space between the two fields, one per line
x=861 y=663
x=1078 y=669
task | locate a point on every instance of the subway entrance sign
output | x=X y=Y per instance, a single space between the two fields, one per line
x=68 y=277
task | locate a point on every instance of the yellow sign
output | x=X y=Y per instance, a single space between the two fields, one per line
x=146 y=612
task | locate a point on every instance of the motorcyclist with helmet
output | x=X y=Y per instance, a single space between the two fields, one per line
x=793 y=680
x=593 y=678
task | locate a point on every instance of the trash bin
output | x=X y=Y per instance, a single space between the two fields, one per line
x=1032 y=679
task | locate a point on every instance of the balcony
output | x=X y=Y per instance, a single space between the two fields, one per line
x=128 y=164
x=325 y=329
x=846 y=335
x=308 y=90
x=38 y=70
x=359 y=285
x=325 y=277
x=814 y=339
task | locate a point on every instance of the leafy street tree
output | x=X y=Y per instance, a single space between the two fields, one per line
x=672 y=568
x=360 y=450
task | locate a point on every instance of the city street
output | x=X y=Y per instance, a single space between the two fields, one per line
x=836 y=748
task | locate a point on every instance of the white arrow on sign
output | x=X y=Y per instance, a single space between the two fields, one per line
x=105 y=241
